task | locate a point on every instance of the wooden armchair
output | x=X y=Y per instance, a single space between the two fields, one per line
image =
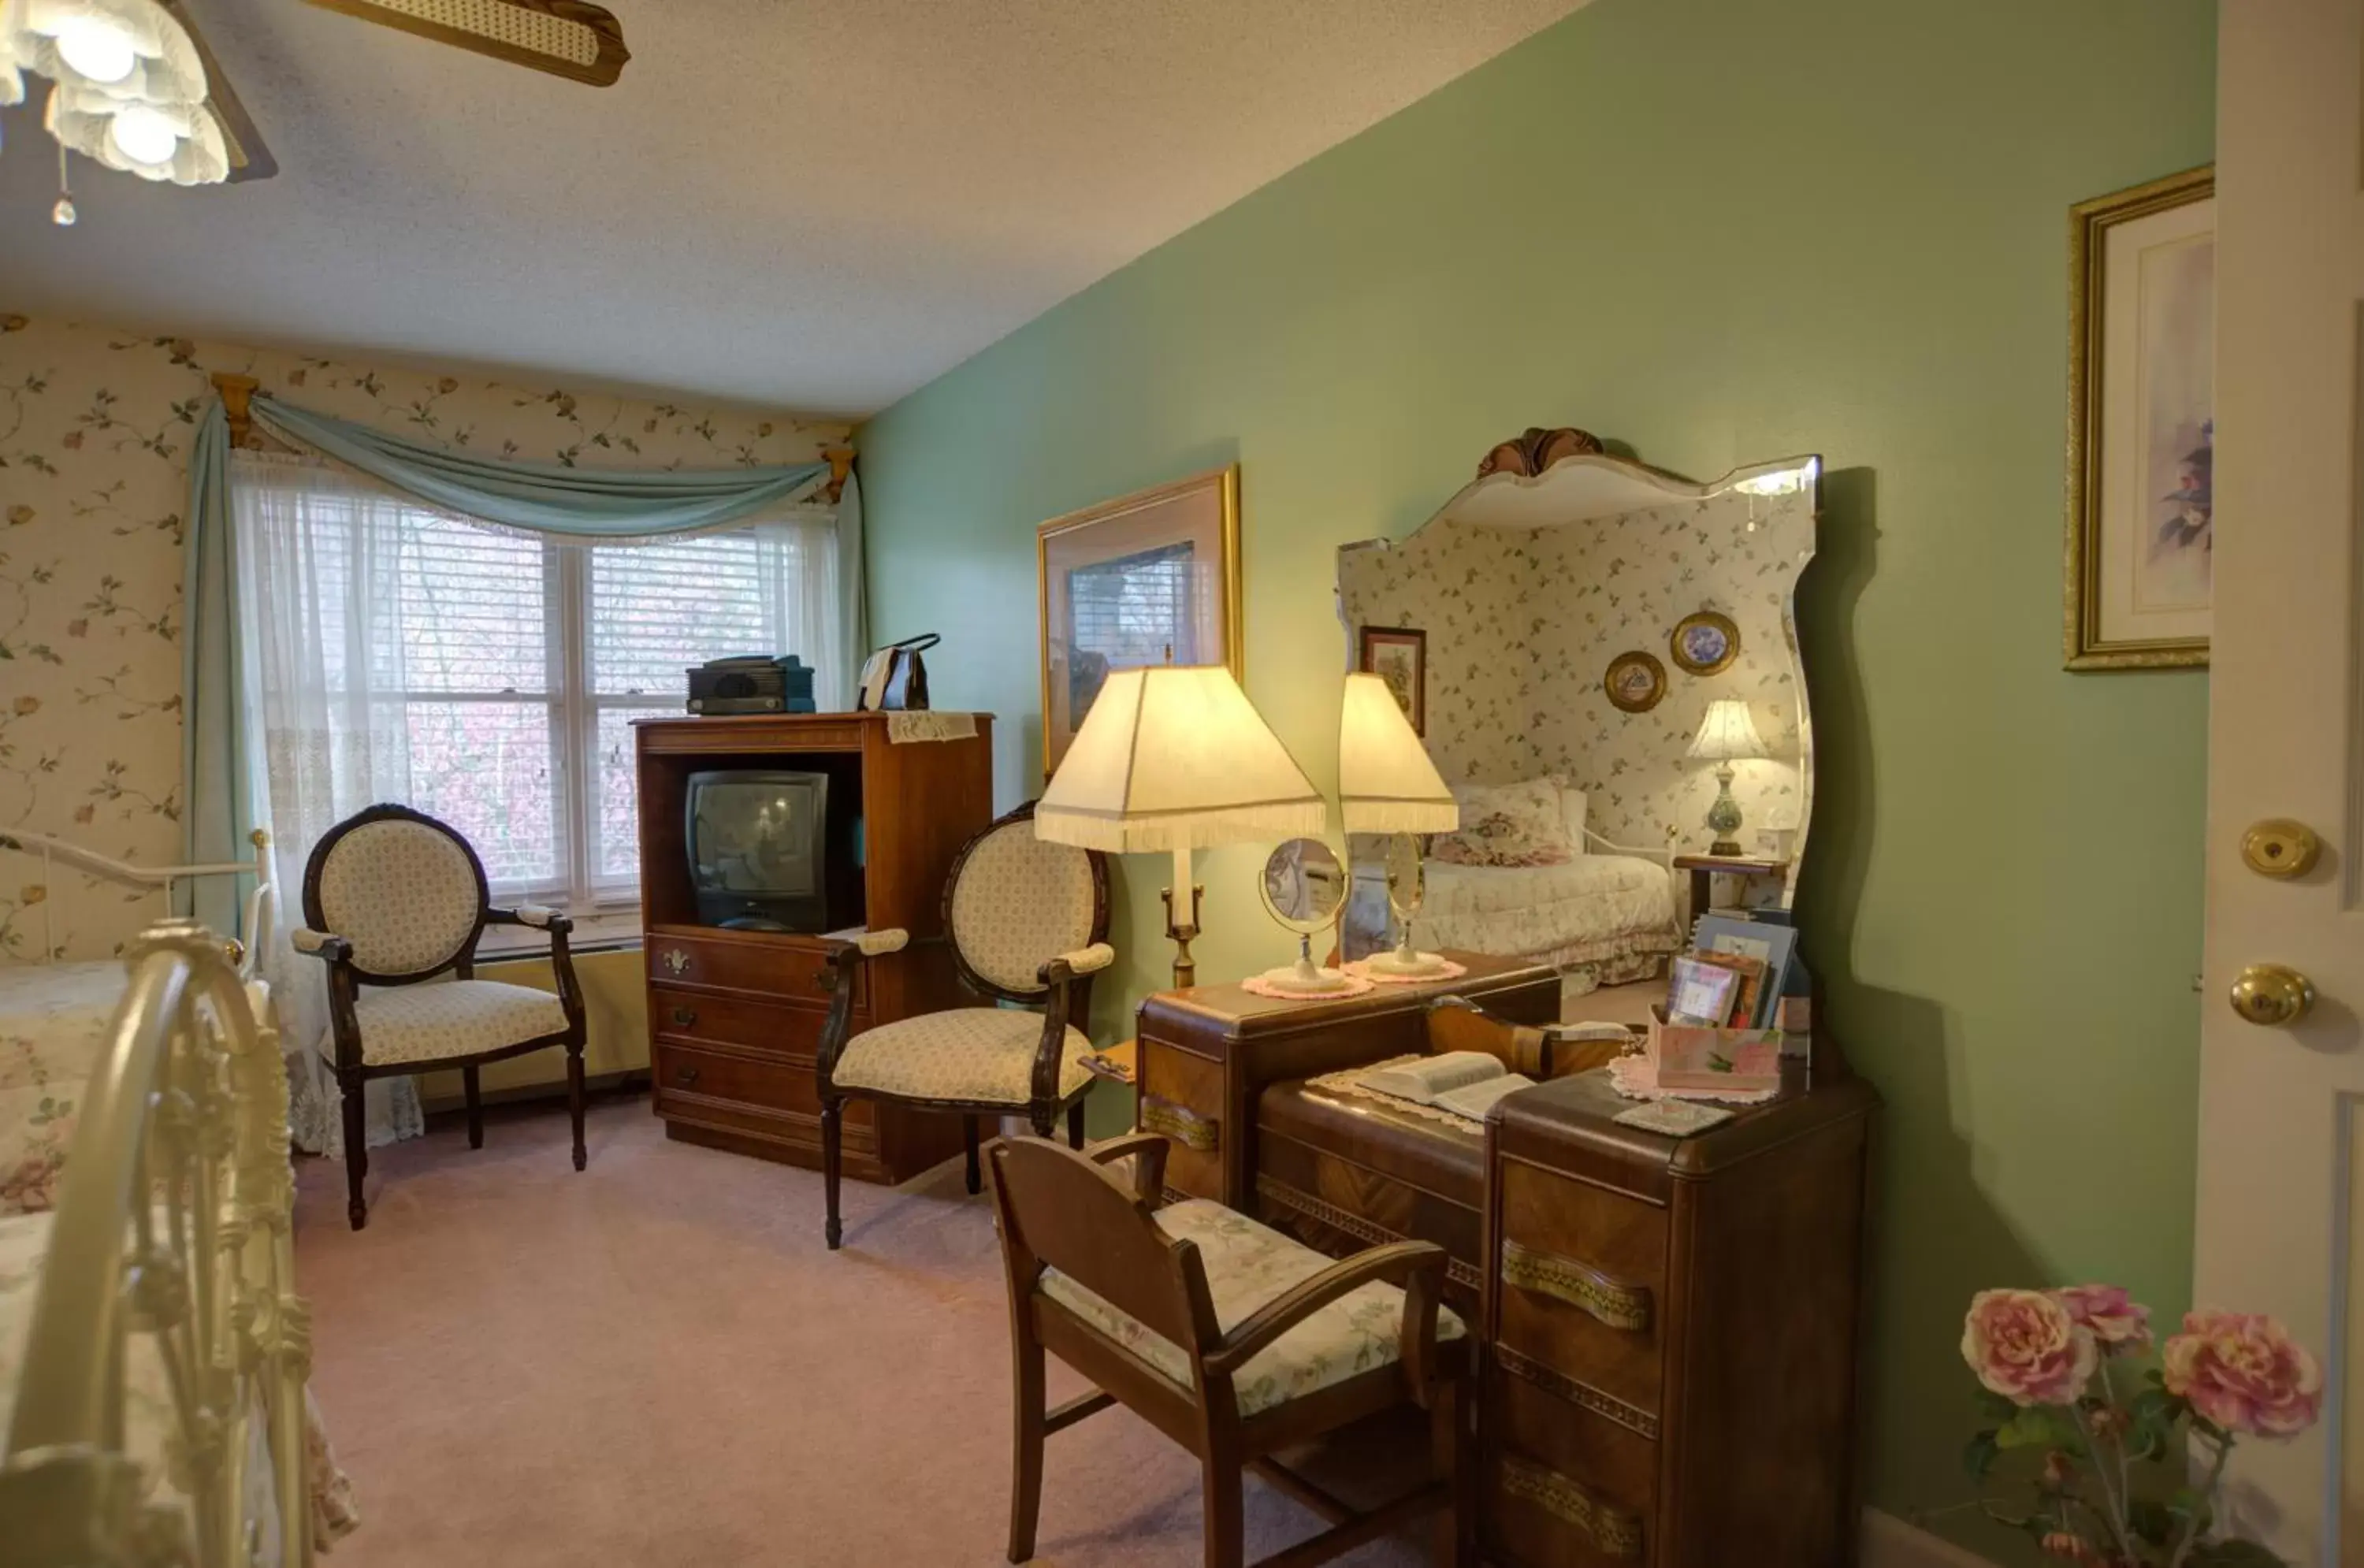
x=1026 y=921
x=392 y=897
x=1228 y=1337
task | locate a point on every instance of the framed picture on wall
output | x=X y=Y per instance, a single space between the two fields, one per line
x=2141 y=525
x=1145 y=579
x=1397 y=655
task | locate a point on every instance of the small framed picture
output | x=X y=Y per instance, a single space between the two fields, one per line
x=1635 y=682
x=2142 y=423
x=1704 y=643
x=1399 y=655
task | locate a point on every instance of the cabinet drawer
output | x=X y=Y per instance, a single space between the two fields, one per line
x=1181 y=1098
x=795 y=969
x=1581 y=1281
x=1564 y=1488
x=698 y=1019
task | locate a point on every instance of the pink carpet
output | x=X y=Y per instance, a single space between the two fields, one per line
x=655 y=1362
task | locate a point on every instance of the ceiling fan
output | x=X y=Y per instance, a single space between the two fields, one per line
x=151 y=97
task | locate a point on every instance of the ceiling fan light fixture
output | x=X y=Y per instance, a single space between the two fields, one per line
x=175 y=143
x=129 y=50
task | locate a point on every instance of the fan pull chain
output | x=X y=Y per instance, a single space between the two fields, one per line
x=63 y=214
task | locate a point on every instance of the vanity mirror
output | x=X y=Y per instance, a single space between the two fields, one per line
x=1304 y=888
x=1581 y=613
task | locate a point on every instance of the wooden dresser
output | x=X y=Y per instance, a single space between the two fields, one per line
x=735 y=1016
x=1208 y=1051
x=1670 y=1331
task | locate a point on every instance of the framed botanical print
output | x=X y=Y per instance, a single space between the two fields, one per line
x=1148 y=578
x=2141 y=525
x=1398 y=656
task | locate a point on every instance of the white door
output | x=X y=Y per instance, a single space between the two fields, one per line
x=2282 y=1106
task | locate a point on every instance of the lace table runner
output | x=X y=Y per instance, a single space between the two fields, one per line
x=1350 y=1081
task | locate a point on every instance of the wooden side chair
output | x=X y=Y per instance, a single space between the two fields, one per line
x=393 y=897
x=1027 y=922
x=1228 y=1337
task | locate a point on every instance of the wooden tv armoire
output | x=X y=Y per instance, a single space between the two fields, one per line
x=735 y=1015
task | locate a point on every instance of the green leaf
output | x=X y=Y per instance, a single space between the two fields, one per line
x=1979 y=1454
x=2038 y=1426
x=1996 y=1409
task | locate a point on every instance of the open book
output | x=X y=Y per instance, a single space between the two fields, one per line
x=1465 y=1083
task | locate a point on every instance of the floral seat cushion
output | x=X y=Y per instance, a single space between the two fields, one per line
x=984 y=1055
x=435 y=1022
x=1248 y=1265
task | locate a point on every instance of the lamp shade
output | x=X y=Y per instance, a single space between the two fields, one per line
x=1174 y=756
x=1727 y=734
x=1385 y=782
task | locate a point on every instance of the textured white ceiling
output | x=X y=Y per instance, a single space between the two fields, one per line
x=818 y=204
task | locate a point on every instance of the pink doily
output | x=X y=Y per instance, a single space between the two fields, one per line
x=1361 y=968
x=1637 y=1078
x=1351 y=985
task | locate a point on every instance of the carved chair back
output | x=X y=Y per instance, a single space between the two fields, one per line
x=406 y=890
x=1014 y=902
x=1059 y=1210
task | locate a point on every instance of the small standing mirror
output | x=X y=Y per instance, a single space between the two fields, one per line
x=1304 y=888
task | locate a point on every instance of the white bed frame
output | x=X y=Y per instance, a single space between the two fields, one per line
x=164 y=1228
x=261 y=904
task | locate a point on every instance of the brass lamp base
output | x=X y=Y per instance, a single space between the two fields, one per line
x=1182 y=934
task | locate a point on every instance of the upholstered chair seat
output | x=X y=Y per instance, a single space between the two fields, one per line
x=980 y=1054
x=1249 y=1267
x=463 y=1018
x=394 y=899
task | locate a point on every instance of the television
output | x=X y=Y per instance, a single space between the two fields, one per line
x=767 y=854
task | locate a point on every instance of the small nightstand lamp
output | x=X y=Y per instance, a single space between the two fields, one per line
x=1387 y=784
x=1172 y=757
x=1727 y=735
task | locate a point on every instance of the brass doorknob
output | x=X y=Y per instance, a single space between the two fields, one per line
x=2272 y=993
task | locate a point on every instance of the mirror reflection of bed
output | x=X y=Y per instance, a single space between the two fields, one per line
x=1580 y=613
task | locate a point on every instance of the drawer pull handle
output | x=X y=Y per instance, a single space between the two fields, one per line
x=684 y=1016
x=685 y=1075
x=1186 y=1128
x=1621 y=1306
x=1615 y=1532
x=675 y=959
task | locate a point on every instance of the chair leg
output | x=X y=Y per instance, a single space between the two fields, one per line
x=1075 y=1124
x=349 y=1087
x=1226 y=1528
x=975 y=1177
x=1026 y=1458
x=575 y=1098
x=833 y=1117
x=469 y=1086
x=1455 y=1456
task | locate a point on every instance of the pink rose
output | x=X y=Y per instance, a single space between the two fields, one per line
x=2244 y=1372
x=2114 y=1319
x=2025 y=1346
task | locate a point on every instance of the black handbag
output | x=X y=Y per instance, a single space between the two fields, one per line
x=895 y=677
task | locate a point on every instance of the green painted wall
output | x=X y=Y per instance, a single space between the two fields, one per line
x=1719 y=230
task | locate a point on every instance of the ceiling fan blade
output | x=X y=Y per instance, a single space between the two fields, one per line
x=566 y=38
x=249 y=158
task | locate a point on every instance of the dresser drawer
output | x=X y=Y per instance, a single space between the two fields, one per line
x=768 y=1097
x=1181 y=1099
x=765 y=965
x=1582 y=1283
x=1565 y=1488
x=696 y=1017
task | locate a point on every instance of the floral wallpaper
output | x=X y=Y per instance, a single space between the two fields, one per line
x=95 y=426
x=1522 y=623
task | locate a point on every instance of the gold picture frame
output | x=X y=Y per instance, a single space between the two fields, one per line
x=1634 y=681
x=1704 y=643
x=1178 y=543
x=2136 y=576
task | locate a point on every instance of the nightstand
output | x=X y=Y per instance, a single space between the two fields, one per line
x=1704 y=869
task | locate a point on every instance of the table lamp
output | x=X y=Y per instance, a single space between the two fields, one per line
x=1726 y=735
x=1172 y=757
x=1387 y=784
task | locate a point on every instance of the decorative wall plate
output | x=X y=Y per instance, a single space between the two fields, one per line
x=1635 y=681
x=1704 y=643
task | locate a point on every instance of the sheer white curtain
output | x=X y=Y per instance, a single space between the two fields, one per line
x=325 y=687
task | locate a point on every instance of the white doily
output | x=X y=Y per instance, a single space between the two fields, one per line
x=1348 y=986
x=927 y=724
x=1446 y=969
x=1637 y=1078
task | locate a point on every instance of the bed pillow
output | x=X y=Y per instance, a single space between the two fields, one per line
x=1507 y=825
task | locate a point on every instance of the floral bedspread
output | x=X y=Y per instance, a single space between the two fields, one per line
x=1593 y=908
x=53 y=1021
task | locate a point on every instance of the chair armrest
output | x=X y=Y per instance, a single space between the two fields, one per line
x=1149 y=1163
x=540 y=916
x=324 y=945
x=1403 y=1263
x=877 y=944
x=1076 y=964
